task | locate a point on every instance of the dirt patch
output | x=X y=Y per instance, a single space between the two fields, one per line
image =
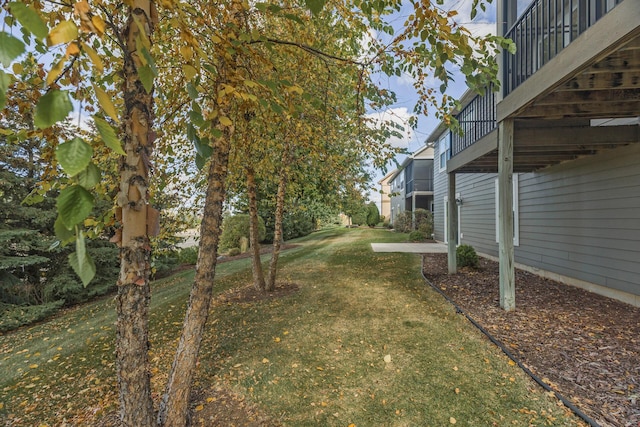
x=585 y=346
x=249 y=293
x=263 y=250
x=217 y=407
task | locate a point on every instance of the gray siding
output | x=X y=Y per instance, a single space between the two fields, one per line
x=580 y=219
x=440 y=183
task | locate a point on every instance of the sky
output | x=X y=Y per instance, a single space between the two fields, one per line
x=402 y=110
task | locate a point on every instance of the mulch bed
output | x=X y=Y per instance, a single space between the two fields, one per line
x=585 y=346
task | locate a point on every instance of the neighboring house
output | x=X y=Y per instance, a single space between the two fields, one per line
x=385 y=195
x=412 y=183
x=547 y=172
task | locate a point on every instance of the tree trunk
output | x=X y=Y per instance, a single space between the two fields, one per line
x=277 y=235
x=132 y=345
x=258 y=275
x=175 y=402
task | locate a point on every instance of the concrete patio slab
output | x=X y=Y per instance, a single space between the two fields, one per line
x=416 y=248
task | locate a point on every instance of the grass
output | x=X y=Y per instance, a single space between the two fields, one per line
x=363 y=342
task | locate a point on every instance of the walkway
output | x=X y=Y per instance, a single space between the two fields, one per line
x=416 y=248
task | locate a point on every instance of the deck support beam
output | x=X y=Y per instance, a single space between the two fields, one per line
x=452 y=225
x=505 y=214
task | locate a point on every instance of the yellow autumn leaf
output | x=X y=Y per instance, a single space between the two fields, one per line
x=64 y=32
x=265 y=360
x=452 y=420
x=189 y=71
x=225 y=121
x=33 y=366
x=276 y=339
x=1 y=406
x=105 y=102
x=512 y=363
x=199 y=408
x=296 y=89
x=186 y=52
x=387 y=358
x=55 y=72
x=81 y=7
x=98 y=24
x=94 y=57
x=210 y=399
x=72 y=49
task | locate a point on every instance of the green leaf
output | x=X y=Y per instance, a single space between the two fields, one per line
x=74 y=156
x=52 y=108
x=62 y=232
x=84 y=267
x=200 y=161
x=10 y=48
x=193 y=92
x=74 y=205
x=294 y=18
x=146 y=77
x=108 y=135
x=150 y=61
x=315 y=6
x=196 y=118
x=5 y=81
x=29 y=19
x=203 y=148
x=89 y=177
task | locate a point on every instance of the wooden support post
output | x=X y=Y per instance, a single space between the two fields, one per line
x=452 y=225
x=505 y=215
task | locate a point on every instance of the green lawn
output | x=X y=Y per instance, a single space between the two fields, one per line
x=363 y=342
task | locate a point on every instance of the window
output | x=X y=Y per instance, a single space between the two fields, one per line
x=516 y=214
x=444 y=148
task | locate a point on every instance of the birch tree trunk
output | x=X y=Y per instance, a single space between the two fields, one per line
x=132 y=302
x=258 y=275
x=277 y=235
x=175 y=402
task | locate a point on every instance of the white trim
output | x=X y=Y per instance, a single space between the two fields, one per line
x=516 y=210
x=446 y=219
x=444 y=146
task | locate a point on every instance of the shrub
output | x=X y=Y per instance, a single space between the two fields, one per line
x=424 y=221
x=235 y=227
x=373 y=215
x=402 y=224
x=188 y=255
x=417 y=236
x=466 y=256
x=13 y=316
x=234 y=252
x=164 y=262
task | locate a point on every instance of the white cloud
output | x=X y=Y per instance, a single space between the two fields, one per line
x=401 y=117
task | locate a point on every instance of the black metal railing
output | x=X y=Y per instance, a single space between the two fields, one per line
x=543 y=30
x=423 y=184
x=476 y=119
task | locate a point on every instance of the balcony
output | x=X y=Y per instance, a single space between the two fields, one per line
x=577 y=61
x=544 y=29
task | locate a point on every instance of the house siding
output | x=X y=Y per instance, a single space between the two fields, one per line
x=440 y=182
x=580 y=219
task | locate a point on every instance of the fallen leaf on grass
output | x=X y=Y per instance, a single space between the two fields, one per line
x=387 y=358
x=199 y=408
x=452 y=420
